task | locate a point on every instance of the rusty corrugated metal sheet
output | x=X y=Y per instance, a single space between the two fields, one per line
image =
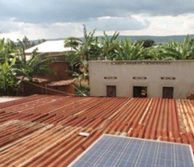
x=61 y=82
x=44 y=130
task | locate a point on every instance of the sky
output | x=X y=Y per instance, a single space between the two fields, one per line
x=50 y=19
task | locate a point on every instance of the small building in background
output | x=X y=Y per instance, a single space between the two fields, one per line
x=55 y=51
x=167 y=79
x=52 y=47
x=59 y=77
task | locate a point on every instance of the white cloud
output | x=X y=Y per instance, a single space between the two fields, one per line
x=17 y=30
x=62 y=18
x=49 y=11
x=117 y=23
x=134 y=25
x=166 y=25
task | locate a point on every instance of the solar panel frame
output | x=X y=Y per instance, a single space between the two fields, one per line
x=130 y=138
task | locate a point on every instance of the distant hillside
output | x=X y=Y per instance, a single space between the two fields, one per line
x=157 y=39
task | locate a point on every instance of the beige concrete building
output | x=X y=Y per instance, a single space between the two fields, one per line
x=167 y=79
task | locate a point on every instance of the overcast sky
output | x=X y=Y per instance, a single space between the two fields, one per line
x=62 y=18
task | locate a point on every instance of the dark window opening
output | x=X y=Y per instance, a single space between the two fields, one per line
x=111 y=91
x=167 y=92
x=140 y=91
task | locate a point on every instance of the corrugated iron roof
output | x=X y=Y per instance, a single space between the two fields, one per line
x=53 y=46
x=44 y=130
x=34 y=79
x=61 y=82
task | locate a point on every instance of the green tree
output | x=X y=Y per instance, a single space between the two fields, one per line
x=83 y=49
x=130 y=51
x=8 y=82
x=14 y=63
x=179 y=50
x=147 y=43
x=29 y=66
x=110 y=46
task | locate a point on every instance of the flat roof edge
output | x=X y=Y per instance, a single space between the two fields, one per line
x=141 y=61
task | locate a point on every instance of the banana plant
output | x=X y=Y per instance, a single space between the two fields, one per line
x=27 y=68
x=83 y=49
x=13 y=63
x=8 y=81
x=179 y=50
x=129 y=50
x=110 y=46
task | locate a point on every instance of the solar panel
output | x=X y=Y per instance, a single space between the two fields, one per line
x=117 y=151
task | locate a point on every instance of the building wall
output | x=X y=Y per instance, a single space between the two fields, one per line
x=59 y=67
x=29 y=89
x=59 y=71
x=152 y=74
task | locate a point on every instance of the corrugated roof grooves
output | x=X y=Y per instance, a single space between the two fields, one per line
x=54 y=46
x=20 y=101
x=43 y=130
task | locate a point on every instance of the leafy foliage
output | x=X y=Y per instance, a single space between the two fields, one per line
x=108 y=47
x=130 y=51
x=31 y=65
x=7 y=70
x=179 y=50
x=7 y=76
x=14 y=63
x=147 y=43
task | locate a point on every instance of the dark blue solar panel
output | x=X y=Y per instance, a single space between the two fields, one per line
x=114 y=151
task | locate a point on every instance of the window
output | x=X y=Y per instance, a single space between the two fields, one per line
x=140 y=78
x=111 y=91
x=110 y=77
x=167 y=92
x=167 y=78
x=139 y=91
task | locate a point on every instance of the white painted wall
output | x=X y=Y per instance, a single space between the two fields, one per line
x=153 y=70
